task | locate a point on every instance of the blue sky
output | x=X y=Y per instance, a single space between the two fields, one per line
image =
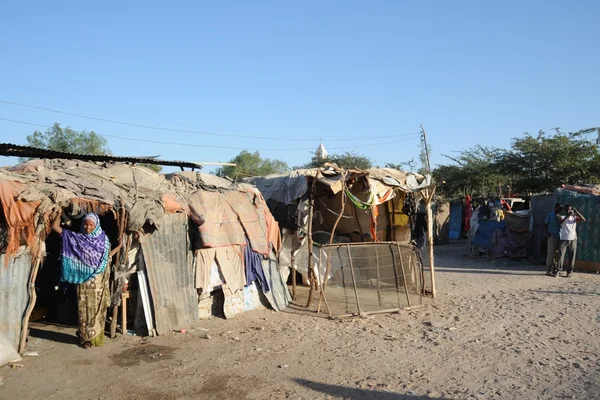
x=472 y=72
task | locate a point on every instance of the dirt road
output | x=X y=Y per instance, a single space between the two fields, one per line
x=498 y=330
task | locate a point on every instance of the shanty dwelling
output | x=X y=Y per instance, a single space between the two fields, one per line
x=350 y=231
x=586 y=199
x=193 y=245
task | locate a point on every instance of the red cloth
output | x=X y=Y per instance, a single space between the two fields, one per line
x=468 y=214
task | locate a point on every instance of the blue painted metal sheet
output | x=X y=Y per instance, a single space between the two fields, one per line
x=456 y=220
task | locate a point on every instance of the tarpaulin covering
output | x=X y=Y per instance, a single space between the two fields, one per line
x=227 y=217
x=485 y=232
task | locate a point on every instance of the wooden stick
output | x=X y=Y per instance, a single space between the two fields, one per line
x=124 y=297
x=311 y=206
x=337 y=221
x=378 y=275
x=403 y=274
x=354 y=280
x=323 y=284
x=293 y=275
x=396 y=280
x=113 y=323
x=430 y=239
x=32 y=299
x=389 y=311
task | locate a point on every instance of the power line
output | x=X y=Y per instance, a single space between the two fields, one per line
x=200 y=132
x=207 y=145
x=126 y=116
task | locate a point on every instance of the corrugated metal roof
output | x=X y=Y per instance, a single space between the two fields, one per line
x=14 y=150
x=170 y=274
x=14 y=295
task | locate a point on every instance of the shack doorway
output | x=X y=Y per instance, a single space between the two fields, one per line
x=56 y=301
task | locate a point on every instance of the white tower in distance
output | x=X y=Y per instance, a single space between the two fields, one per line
x=321 y=153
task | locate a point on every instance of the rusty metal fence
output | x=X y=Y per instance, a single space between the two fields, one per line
x=370 y=278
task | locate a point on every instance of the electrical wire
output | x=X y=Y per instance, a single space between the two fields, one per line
x=156 y=128
x=128 y=138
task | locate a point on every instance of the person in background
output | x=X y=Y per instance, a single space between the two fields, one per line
x=84 y=260
x=568 y=238
x=552 y=224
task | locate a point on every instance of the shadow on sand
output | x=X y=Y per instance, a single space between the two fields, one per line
x=53 y=336
x=355 y=393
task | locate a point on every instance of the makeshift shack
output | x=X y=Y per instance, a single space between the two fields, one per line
x=189 y=243
x=498 y=232
x=333 y=207
x=586 y=199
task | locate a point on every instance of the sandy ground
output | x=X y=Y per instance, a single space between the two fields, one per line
x=498 y=330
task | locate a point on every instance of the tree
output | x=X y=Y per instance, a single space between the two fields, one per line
x=153 y=167
x=70 y=141
x=544 y=162
x=252 y=164
x=347 y=160
x=474 y=172
x=411 y=164
x=533 y=164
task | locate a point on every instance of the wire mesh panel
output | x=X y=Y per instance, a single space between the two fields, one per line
x=371 y=277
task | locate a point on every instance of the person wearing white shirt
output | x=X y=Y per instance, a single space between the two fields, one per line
x=568 y=238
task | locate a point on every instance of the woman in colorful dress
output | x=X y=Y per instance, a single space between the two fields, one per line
x=84 y=260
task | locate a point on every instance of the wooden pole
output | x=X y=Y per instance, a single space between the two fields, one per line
x=337 y=221
x=378 y=275
x=389 y=311
x=32 y=299
x=293 y=275
x=353 y=280
x=311 y=207
x=113 y=323
x=429 y=196
x=426 y=148
x=403 y=273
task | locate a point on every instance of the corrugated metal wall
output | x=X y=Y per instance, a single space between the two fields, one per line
x=588 y=233
x=170 y=274
x=541 y=205
x=14 y=295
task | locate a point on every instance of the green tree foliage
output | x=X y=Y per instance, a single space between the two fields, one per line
x=71 y=141
x=347 y=160
x=409 y=165
x=252 y=164
x=68 y=140
x=153 y=167
x=533 y=164
x=544 y=162
x=473 y=172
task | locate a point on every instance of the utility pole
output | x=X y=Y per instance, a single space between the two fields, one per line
x=424 y=138
x=428 y=197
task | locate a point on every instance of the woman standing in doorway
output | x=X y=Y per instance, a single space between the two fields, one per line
x=84 y=260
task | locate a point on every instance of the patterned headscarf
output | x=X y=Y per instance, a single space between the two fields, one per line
x=84 y=256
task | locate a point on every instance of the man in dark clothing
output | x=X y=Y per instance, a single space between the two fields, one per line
x=552 y=225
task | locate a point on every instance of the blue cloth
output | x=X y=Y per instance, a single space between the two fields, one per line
x=552 y=224
x=84 y=256
x=254 y=269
